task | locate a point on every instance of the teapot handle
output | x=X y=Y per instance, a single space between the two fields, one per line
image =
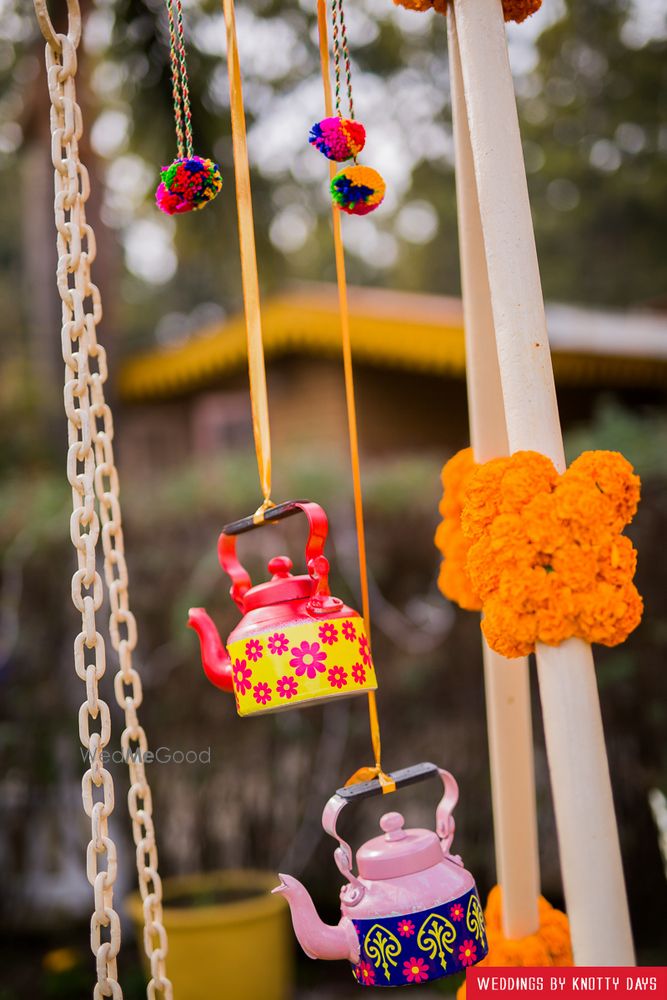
x=444 y=819
x=318 y=567
x=354 y=891
x=445 y=824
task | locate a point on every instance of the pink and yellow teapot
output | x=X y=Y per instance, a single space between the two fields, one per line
x=412 y=913
x=296 y=644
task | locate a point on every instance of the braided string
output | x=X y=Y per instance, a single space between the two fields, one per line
x=185 y=89
x=179 y=79
x=336 y=54
x=175 y=82
x=346 y=57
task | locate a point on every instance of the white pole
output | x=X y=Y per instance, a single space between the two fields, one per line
x=506 y=682
x=588 y=838
x=509 y=723
x=589 y=848
x=531 y=411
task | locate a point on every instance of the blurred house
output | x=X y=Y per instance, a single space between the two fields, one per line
x=192 y=398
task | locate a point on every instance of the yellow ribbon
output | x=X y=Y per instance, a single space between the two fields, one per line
x=256 y=370
x=364 y=773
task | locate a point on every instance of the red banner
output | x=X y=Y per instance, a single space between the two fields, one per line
x=593 y=983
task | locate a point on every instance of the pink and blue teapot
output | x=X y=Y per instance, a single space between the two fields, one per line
x=411 y=914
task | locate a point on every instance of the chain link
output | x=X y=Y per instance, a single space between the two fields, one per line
x=75 y=251
x=92 y=474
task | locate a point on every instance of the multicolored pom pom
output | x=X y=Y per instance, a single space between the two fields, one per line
x=188 y=184
x=338 y=138
x=357 y=190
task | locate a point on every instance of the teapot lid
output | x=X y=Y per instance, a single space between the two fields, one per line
x=281 y=587
x=398 y=852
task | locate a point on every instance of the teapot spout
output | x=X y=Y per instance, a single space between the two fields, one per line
x=318 y=940
x=215 y=659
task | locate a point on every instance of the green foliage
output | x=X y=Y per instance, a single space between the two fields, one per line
x=592 y=120
x=590 y=112
x=641 y=437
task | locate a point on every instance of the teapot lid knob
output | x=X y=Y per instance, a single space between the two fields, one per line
x=280 y=567
x=392 y=824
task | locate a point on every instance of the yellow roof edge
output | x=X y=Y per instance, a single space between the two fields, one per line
x=391 y=329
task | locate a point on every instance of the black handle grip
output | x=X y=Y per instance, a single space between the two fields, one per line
x=277 y=513
x=406 y=776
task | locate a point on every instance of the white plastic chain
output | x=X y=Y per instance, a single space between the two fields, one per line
x=92 y=474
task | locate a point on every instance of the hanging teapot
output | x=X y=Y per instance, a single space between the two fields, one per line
x=296 y=644
x=412 y=913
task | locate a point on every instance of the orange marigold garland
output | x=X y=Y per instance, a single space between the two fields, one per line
x=550 y=946
x=513 y=10
x=542 y=553
x=519 y=10
x=453 y=580
x=421 y=5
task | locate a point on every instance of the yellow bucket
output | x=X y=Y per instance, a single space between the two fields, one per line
x=228 y=936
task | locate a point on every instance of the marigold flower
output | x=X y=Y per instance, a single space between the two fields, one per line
x=422 y=5
x=454 y=580
x=513 y=10
x=508 y=541
x=617 y=560
x=541 y=524
x=554 y=624
x=526 y=474
x=576 y=565
x=584 y=512
x=484 y=574
x=555 y=932
x=614 y=476
x=541 y=553
x=482 y=498
x=509 y=633
x=519 y=10
x=608 y=614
